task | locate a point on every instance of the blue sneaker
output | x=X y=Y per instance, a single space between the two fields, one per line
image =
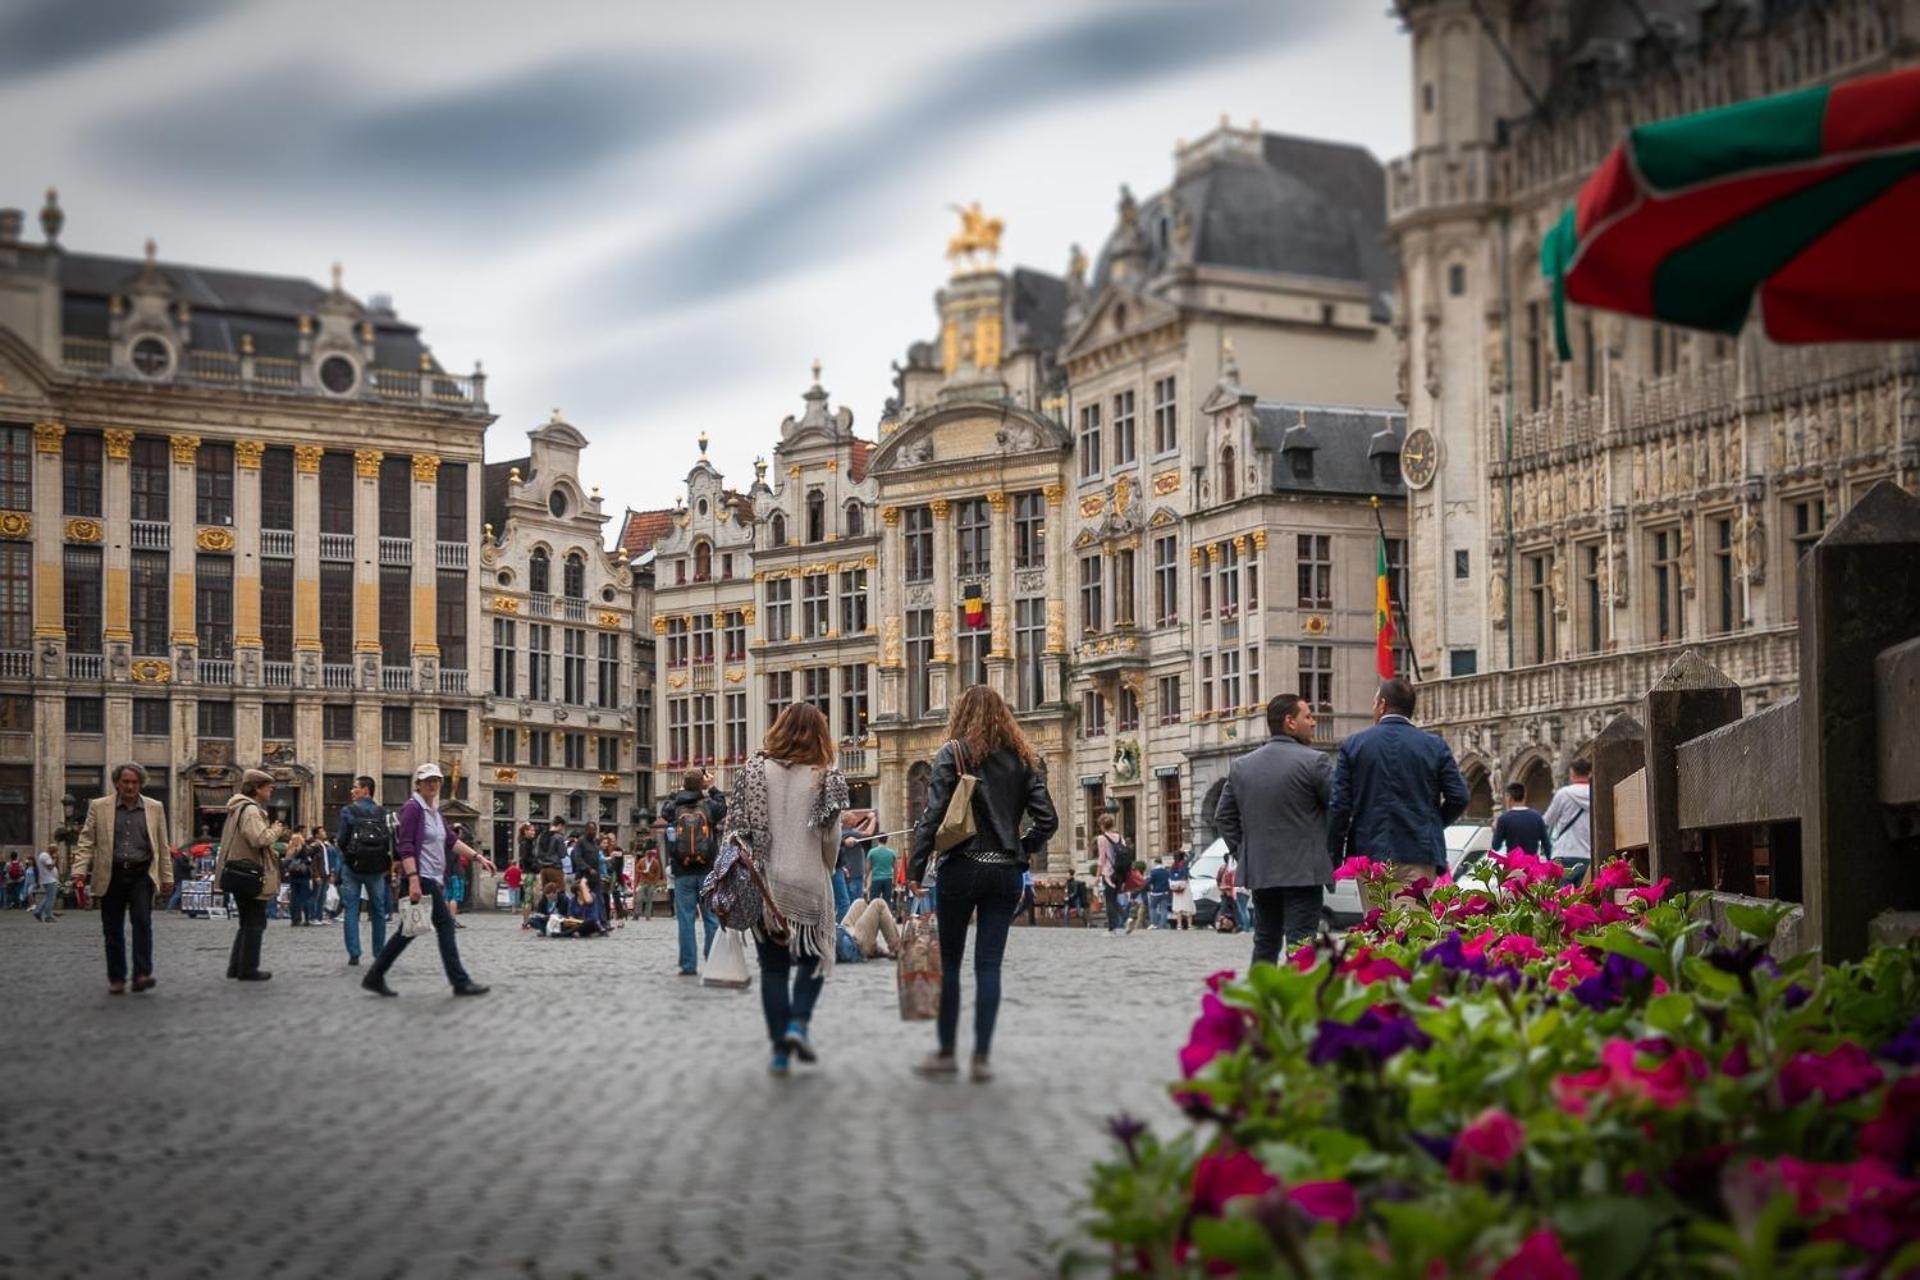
x=778 y=1065
x=798 y=1044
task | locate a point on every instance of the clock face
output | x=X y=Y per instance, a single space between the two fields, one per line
x=1419 y=457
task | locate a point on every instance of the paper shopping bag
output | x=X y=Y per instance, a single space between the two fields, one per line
x=726 y=964
x=918 y=970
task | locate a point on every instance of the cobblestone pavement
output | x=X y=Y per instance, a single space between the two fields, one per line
x=596 y=1115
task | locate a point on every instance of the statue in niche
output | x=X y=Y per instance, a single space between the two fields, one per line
x=1557 y=584
x=1016 y=436
x=1497 y=593
x=1687 y=582
x=1430 y=354
x=917 y=451
x=1618 y=570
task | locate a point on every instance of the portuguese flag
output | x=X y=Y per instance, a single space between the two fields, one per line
x=1805 y=203
x=1382 y=616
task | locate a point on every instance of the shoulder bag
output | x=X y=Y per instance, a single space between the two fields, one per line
x=243 y=878
x=957 y=824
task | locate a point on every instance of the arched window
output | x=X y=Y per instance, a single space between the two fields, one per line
x=777 y=529
x=855 y=521
x=702 y=561
x=1227 y=486
x=816 y=516
x=538 y=573
x=573 y=576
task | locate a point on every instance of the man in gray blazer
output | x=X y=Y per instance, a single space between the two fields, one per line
x=1273 y=816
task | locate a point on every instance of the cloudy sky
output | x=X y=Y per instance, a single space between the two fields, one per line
x=652 y=216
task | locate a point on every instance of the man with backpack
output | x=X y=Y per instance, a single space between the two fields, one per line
x=550 y=851
x=365 y=838
x=1114 y=866
x=693 y=816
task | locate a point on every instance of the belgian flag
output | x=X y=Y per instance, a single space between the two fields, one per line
x=973 y=608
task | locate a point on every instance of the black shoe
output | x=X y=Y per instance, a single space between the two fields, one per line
x=472 y=989
x=261 y=976
x=378 y=985
x=353 y=961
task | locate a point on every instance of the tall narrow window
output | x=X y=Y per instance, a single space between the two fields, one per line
x=1315 y=557
x=213 y=483
x=816 y=609
x=1166 y=429
x=1168 y=693
x=16 y=468
x=1807 y=520
x=1316 y=676
x=450 y=502
x=853 y=602
x=736 y=742
x=1029 y=530
x=1173 y=824
x=1536 y=363
x=80 y=598
x=779 y=611
x=539 y=662
x=1093 y=714
x=972 y=537
x=1229 y=680
x=972 y=649
x=919 y=661
x=450 y=618
x=148 y=577
x=1592 y=599
x=733 y=635
x=777 y=529
x=276 y=488
x=1539 y=620
x=213 y=606
x=1229 y=575
x=1229 y=482
x=702 y=561
x=1090 y=465
x=506 y=654
x=1589 y=356
x=1029 y=643
x=1091 y=613
x=607 y=675
x=779 y=693
x=1669 y=617
x=573 y=669
x=573 y=576
x=816 y=516
x=276 y=610
x=1166 y=580
x=396 y=614
x=150 y=474
x=816 y=690
x=80 y=464
x=1123 y=586
x=854 y=520
x=336 y=493
x=678 y=650
x=853 y=702
x=16 y=597
x=1726 y=597
x=539 y=572
x=1253 y=675
x=917 y=540
x=1125 y=449
x=396 y=496
x=1397 y=572
x=336 y=612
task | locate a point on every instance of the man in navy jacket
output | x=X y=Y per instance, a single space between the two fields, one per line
x=1395 y=790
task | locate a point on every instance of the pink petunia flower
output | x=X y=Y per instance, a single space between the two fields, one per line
x=1333 y=1201
x=1358 y=867
x=1578 y=918
x=1220 y=1176
x=1651 y=894
x=1219 y=1029
x=1666 y=1084
x=1487 y=1145
x=1519 y=948
x=1617 y=873
x=1538 y=1258
x=1889 y=1134
x=1841 y=1073
x=1304 y=957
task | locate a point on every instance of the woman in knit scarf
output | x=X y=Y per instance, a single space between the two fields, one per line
x=786 y=805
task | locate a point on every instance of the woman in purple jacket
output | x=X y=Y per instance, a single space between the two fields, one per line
x=425 y=845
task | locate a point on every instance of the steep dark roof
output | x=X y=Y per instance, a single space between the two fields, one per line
x=493 y=491
x=223 y=305
x=1039 y=306
x=1344 y=447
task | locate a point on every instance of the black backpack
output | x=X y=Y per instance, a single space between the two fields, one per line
x=1122 y=859
x=693 y=836
x=369 y=850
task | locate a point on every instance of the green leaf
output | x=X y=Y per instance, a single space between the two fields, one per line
x=1670 y=1013
x=1608 y=1235
x=1758 y=920
x=1543 y=1026
x=1240 y=1241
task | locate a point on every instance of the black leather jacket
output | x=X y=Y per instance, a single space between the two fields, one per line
x=1008 y=791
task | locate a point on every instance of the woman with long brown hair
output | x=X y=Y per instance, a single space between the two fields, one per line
x=981 y=874
x=787 y=804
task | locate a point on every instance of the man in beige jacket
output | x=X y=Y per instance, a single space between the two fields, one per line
x=123 y=851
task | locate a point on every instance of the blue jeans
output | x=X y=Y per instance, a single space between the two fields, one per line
x=992 y=890
x=842 y=895
x=299 y=895
x=375 y=886
x=789 y=985
x=686 y=904
x=48 y=893
x=443 y=932
x=1159 y=907
x=179 y=889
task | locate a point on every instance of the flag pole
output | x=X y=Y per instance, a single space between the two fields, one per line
x=1399 y=605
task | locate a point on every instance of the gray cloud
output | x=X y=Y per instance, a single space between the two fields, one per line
x=40 y=36
x=295 y=131
x=807 y=214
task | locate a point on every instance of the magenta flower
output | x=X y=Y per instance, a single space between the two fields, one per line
x=1842 y=1073
x=1616 y=874
x=1890 y=1135
x=1369 y=968
x=1579 y=917
x=1538 y=1258
x=1333 y=1201
x=1487 y=1145
x=1304 y=957
x=1220 y=1176
x=1219 y=1029
x=1358 y=867
x=1524 y=870
x=1666 y=1084
x=1652 y=893
x=1519 y=948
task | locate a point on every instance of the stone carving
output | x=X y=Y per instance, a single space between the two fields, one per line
x=1017 y=437
x=150 y=671
x=306 y=458
x=1029 y=582
x=16 y=525
x=1056 y=626
x=118 y=444
x=890 y=642
x=1687 y=582
x=917 y=451
x=943 y=635
x=1497 y=593
x=366 y=463
x=1401 y=374
x=246 y=454
x=1166 y=482
x=185 y=449
x=426 y=467
x=309 y=670
x=81 y=529
x=920 y=597
x=1753 y=546
x=214 y=539
x=1619 y=573
x=1430 y=354
x=1092 y=505
x=1557 y=584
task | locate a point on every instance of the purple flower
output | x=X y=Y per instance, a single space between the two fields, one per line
x=1614 y=983
x=1904 y=1049
x=1451 y=954
x=1739 y=960
x=1375 y=1036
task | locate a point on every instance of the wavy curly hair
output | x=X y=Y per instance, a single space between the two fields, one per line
x=982 y=724
x=800 y=736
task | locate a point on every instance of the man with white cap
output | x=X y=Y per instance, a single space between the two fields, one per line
x=425 y=843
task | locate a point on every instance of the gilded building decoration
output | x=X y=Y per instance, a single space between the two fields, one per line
x=987 y=341
x=659 y=626
x=16 y=525
x=833 y=465
x=306 y=458
x=426 y=467
x=1054 y=493
x=608 y=618
x=940 y=507
x=890 y=642
x=366 y=463
x=507 y=604
x=1166 y=482
x=504 y=774
x=47 y=436
x=1240 y=543
x=1214 y=553
x=890 y=515
x=943 y=635
x=185 y=449
x=118 y=444
x=609 y=782
x=150 y=671
x=81 y=529
x=212 y=539
x=734 y=675
x=746 y=614
x=997 y=500
x=1056 y=626
x=1092 y=505
x=677 y=681
x=1259 y=539
x=246 y=454
x=999 y=645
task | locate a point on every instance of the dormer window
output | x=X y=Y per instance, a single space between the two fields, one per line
x=1228 y=488
x=777 y=529
x=816 y=516
x=1301 y=463
x=1390 y=469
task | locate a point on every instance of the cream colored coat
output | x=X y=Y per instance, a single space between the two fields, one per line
x=248 y=835
x=93 y=851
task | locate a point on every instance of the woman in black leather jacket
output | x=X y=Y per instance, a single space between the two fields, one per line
x=982 y=873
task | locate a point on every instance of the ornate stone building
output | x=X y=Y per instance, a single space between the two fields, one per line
x=1576 y=525
x=235 y=517
x=558 y=735
x=1263 y=262
x=815 y=567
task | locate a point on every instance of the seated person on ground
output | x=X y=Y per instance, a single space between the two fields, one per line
x=551 y=902
x=868 y=931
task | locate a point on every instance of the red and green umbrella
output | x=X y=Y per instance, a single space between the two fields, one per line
x=1807 y=202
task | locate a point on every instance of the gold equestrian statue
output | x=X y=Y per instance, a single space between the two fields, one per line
x=978 y=234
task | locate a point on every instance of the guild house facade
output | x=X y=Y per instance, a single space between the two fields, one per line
x=1576 y=525
x=236 y=512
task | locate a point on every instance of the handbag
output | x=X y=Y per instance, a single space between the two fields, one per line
x=242 y=879
x=957 y=824
x=726 y=962
x=917 y=972
x=416 y=918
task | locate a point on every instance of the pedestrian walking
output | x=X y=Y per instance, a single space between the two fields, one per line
x=786 y=805
x=550 y=852
x=297 y=867
x=883 y=863
x=249 y=836
x=648 y=877
x=16 y=882
x=47 y=882
x=1272 y=813
x=1113 y=862
x=1159 y=895
x=122 y=848
x=1520 y=828
x=1181 y=878
x=694 y=816
x=1395 y=789
x=365 y=837
x=425 y=844
x=1026 y=899
x=1569 y=816
x=980 y=875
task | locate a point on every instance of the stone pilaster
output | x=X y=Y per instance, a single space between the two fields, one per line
x=426 y=526
x=306 y=573
x=182 y=547
x=1000 y=597
x=366 y=579
x=943 y=680
x=1054 y=664
x=247 y=644
x=889 y=616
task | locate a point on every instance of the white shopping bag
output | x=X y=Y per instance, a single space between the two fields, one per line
x=726 y=963
x=333 y=899
x=416 y=918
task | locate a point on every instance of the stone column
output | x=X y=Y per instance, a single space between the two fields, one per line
x=182 y=540
x=366 y=581
x=49 y=634
x=248 y=647
x=116 y=510
x=1000 y=598
x=942 y=676
x=426 y=616
x=306 y=577
x=889 y=609
x=1054 y=666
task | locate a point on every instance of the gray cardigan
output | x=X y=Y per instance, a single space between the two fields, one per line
x=1273 y=815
